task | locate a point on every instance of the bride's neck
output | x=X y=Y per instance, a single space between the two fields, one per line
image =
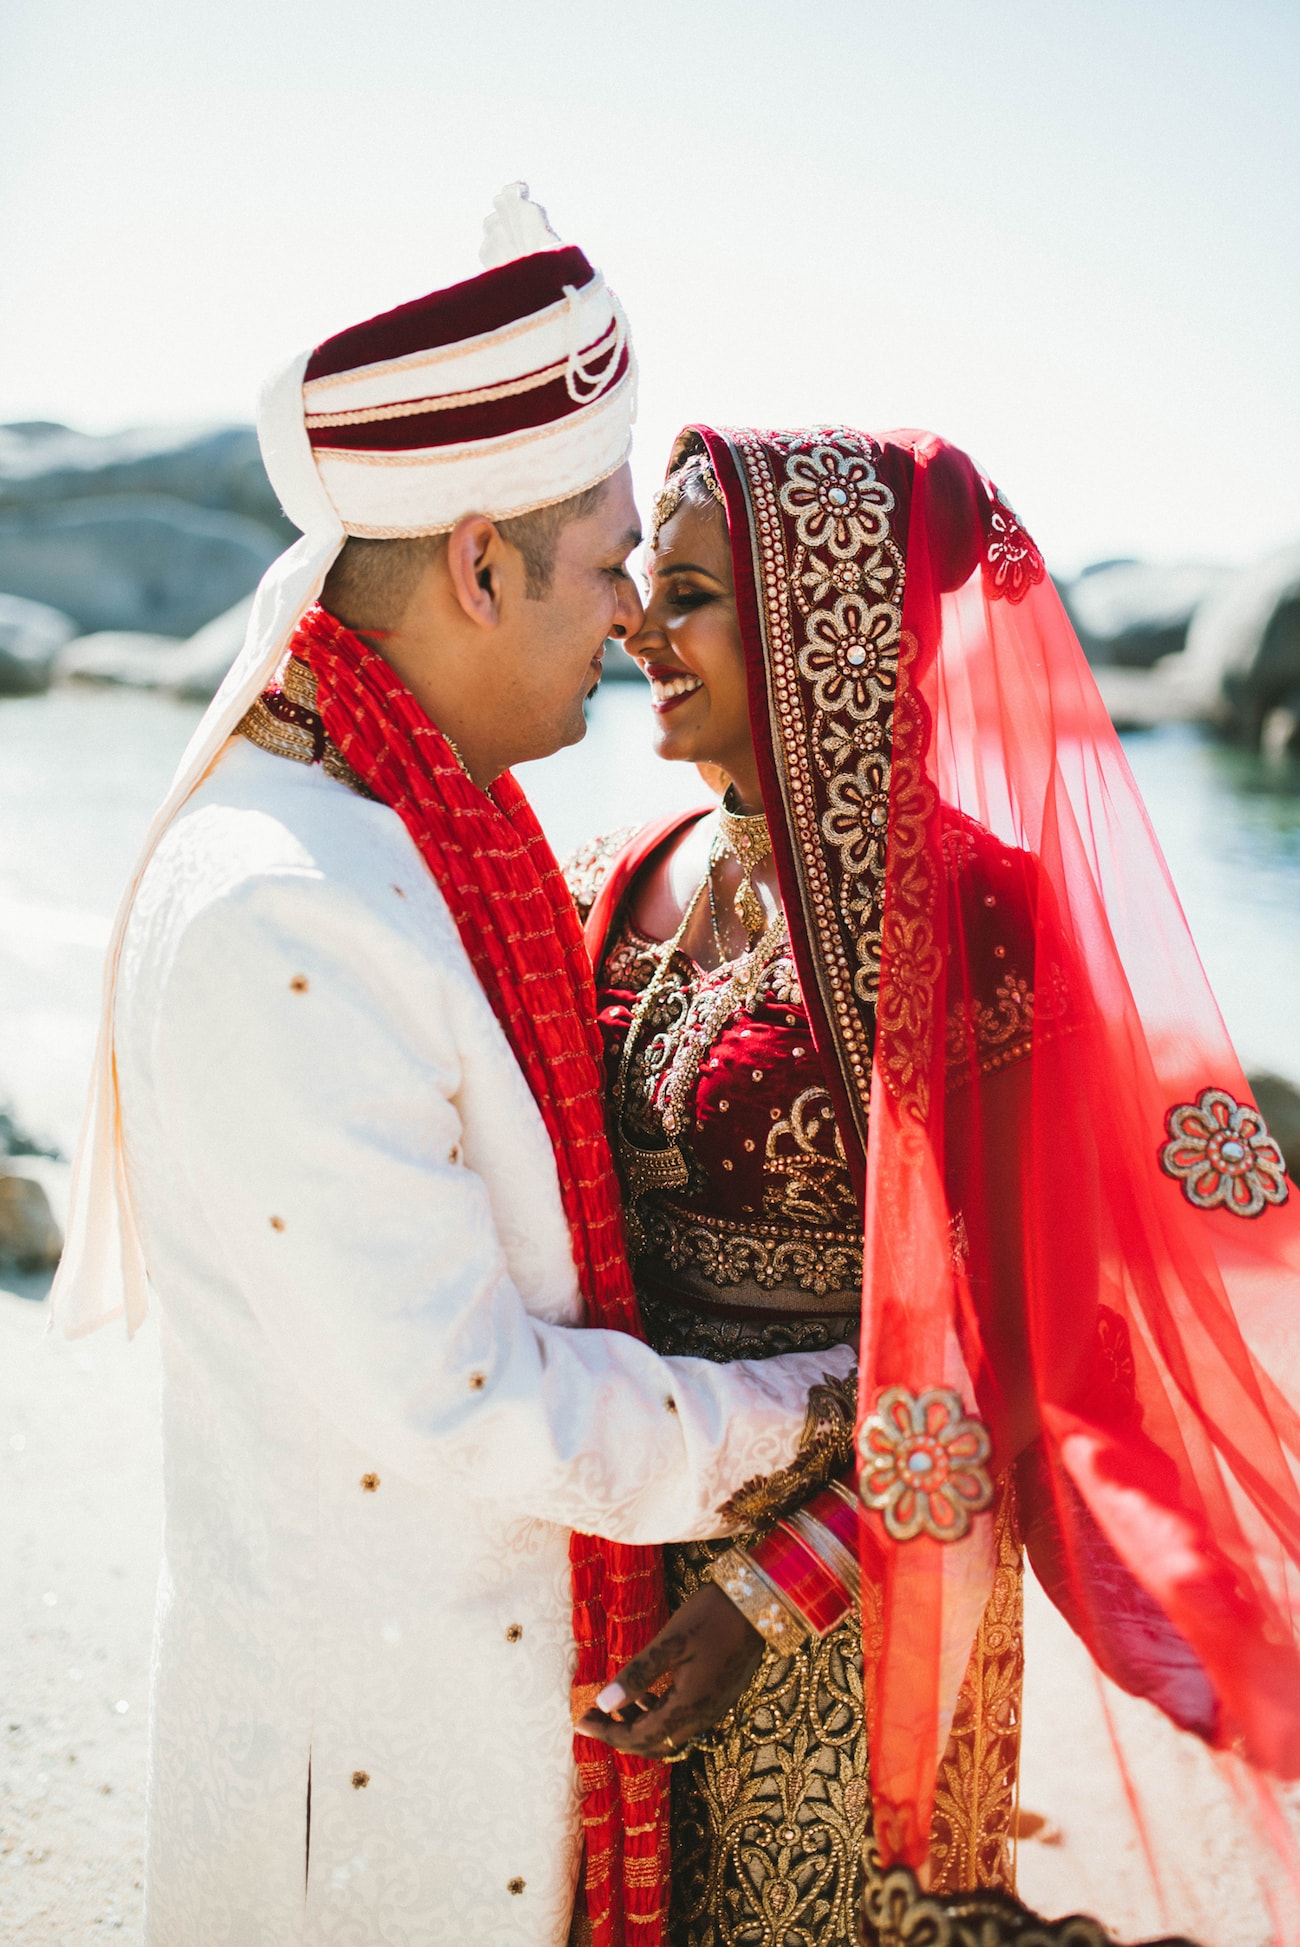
x=745 y=795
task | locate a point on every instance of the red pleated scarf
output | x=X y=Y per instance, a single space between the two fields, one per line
x=498 y=875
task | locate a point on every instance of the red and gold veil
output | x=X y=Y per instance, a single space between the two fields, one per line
x=1080 y=1244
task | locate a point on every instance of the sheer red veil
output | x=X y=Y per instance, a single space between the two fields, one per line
x=1081 y=1251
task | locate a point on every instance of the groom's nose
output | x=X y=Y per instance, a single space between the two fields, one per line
x=629 y=614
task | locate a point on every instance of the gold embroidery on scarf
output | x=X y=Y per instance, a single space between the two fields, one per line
x=905 y=1021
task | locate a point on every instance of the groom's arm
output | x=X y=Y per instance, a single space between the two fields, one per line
x=308 y=1066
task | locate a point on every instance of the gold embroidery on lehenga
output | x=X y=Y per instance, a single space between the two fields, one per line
x=896 y=1913
x=807 y=1240
x=773 y=1256
x=805 y=1153
x=771 y=1811
x=770 y=1816
x=588 y=865
x=975 y=1792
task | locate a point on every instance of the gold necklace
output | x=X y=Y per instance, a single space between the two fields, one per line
x=745 y=835
x=649 y=1169
x=666 y=1169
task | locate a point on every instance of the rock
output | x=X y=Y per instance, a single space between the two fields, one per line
x=124 y=562
x=29 y=1236
x=125 y=656
x=192 y=669
x=198 y=672
x=15 y=1141
x=1244 y=648
x=1139 y=699
x=207 y=466
x=31 y=636
x=1131 y=613
x=1278 y=1101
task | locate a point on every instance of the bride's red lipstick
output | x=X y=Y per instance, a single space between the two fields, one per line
x=666 y=673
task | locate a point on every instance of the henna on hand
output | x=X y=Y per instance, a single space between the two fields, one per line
x=708 y=1651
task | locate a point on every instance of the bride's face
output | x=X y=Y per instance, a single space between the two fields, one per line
x=689 y=645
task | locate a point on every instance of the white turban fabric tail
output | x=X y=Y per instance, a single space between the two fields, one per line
x=102 y=1273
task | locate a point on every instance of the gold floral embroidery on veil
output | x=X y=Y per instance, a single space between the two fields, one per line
x=830 y=577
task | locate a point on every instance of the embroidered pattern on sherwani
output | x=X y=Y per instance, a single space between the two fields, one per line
x=284 y=721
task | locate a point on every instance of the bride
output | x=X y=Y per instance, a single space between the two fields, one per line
x=907 y=1042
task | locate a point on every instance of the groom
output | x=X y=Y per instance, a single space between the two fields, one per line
x=347 y=1122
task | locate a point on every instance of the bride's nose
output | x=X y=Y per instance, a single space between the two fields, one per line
x=647 y=637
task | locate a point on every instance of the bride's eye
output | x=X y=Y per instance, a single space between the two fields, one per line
x=683 y=596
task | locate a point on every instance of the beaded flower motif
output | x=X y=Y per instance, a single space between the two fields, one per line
x=1012 y=562
x=1221 y=1152
x=923 y=1464
x=837 y=503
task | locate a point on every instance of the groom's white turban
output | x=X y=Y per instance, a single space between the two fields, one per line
x=508 y=392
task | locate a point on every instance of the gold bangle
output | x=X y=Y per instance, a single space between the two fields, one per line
x=759 y=1601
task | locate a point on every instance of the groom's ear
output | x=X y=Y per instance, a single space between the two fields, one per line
x=476 y=562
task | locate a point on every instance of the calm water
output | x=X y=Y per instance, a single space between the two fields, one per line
x=81 y=771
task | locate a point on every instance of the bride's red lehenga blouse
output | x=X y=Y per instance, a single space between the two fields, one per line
x=974 y=1103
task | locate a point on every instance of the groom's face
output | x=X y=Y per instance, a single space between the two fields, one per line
x=558 y=638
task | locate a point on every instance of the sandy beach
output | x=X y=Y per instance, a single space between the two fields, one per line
x=80 y=1523
x=80 y=1526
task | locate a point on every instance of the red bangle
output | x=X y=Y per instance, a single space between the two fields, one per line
x=839 y=1512
x=803 y=1579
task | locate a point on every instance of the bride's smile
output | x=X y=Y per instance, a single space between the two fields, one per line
x=689 y=645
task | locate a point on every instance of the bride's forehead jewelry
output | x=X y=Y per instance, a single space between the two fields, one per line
x=674 y=490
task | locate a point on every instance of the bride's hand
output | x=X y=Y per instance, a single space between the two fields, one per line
x=709 y=1651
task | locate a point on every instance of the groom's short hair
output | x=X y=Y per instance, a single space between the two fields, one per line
x=371 y=582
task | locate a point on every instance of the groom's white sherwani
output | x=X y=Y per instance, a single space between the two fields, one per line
x=377 y=1435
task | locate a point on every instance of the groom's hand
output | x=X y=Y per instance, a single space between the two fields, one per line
x=708 y=1650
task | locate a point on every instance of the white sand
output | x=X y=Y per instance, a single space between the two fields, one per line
x=80 y=1514
x=80 y=1522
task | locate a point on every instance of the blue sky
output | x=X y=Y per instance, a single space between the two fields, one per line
x=1066 y=235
